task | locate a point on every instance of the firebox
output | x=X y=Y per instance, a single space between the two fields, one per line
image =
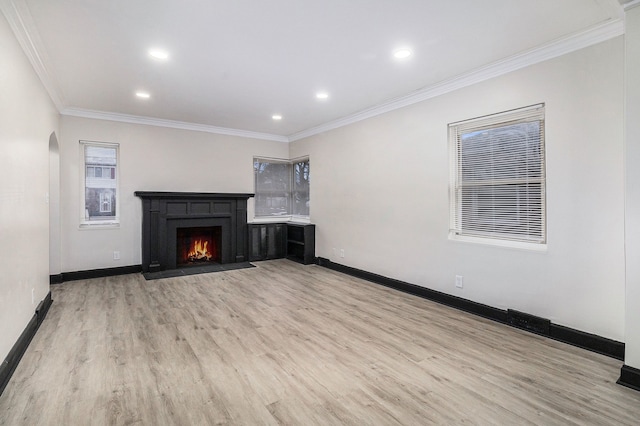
x=197 y=245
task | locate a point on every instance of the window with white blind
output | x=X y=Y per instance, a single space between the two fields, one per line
x=281 y=187
x=498 y=177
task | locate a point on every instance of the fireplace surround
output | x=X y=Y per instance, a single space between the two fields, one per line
x=165 y=216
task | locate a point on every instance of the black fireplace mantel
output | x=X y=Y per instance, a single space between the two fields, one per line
x=191 y=195
x=164 y=212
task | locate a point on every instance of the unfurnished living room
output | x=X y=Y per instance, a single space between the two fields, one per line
x=304 y=212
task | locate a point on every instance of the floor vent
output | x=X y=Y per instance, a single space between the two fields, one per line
x=528 y=322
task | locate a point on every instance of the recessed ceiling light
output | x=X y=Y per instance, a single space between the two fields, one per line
x=402 y=53
x=276 y=117
x=322 y=95
x=159 y=54
x=143 y=95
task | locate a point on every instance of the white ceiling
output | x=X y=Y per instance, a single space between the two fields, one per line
x=235 y=63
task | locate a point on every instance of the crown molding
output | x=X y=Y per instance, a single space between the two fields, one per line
x=159 y=122
x=21 y=22
x=599 y=33
x=628 y=5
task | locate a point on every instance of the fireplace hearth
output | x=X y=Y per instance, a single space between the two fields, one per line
x=188 y=229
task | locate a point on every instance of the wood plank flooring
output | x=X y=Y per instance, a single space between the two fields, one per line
x=289 y=344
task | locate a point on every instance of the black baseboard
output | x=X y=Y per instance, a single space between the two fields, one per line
x=437 y=296
x=591 y=342
x=94 y=273
x=56 y=279
x=10 y=363
x=629 y=377
x=43 y=308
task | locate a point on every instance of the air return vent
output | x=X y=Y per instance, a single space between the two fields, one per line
x=528 y=322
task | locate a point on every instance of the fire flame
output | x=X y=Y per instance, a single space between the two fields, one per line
x=199 y=251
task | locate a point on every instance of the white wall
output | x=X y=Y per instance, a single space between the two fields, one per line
x=380 y=192
x=151 y=159
x=27 y=119
x=632 y=156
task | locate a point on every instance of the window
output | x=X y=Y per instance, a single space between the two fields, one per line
x=498 y=177
x=300 y=192
x=100 y=186
x=281 y=187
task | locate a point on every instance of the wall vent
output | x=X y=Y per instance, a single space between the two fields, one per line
x=528 y=322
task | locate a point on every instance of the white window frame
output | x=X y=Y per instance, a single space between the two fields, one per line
x=535 y=176
x=87 y=222
x=289 y=216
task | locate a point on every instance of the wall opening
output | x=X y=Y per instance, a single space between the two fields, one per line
x=54 y=206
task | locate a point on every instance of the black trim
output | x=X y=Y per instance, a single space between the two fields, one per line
x=591 y=342
x=10 y=363
x=56 y=279
x=94 y=273
x=186 y=195
x=629 y=377
x=437 y=296
x=43 y=308
x=588 y=341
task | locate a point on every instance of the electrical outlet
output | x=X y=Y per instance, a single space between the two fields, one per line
x=341 y=252
x=459 y=281
x=116 y=255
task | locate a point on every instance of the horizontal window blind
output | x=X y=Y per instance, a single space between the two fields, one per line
x=272 y=187
x=498 y=176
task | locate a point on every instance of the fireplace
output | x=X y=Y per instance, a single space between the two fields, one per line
x=183 y=229
x=198 y=245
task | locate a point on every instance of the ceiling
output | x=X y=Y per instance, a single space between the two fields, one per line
x=232 y=65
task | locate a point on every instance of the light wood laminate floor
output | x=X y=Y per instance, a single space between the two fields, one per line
x=284 y=343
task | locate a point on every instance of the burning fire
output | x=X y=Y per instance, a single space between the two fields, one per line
x=199 y=251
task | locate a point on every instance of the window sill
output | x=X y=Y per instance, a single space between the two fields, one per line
x=518 y=245
x=98 y=225
x=301 y=219
x=281 y=219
